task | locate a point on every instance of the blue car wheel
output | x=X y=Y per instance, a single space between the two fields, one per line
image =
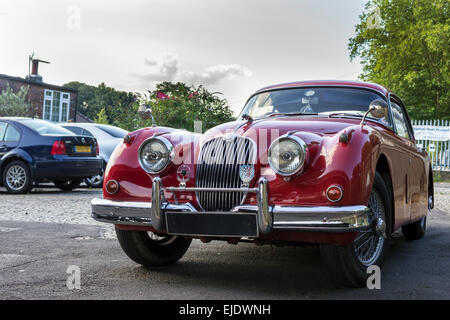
x=17 y=177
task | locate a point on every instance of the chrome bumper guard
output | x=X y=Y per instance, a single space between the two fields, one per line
x=269 y=218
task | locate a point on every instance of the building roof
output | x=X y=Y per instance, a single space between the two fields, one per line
x=36 y=83
x=337 y=83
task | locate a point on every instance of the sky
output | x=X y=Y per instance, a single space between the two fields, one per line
x=231 y=46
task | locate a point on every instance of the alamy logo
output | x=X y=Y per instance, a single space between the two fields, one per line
x=74 y=279
x=374 y=280
x=374 y=19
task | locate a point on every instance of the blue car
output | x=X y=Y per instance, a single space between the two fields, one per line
x=34 y=151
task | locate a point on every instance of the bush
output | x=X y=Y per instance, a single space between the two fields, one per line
x=14 y=104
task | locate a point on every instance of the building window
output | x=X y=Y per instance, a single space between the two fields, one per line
x=56 y=106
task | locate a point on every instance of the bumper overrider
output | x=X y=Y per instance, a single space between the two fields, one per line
x=241 y=221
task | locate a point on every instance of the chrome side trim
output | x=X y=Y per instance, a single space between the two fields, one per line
x=121 y=212
x=349 y=218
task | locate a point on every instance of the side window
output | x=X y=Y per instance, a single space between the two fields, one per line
x=87 y=133
x=76 y=130
x=11 y=134
x=400 y=121
x=2 y=129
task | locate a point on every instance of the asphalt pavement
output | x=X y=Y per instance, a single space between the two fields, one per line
x=44 y=233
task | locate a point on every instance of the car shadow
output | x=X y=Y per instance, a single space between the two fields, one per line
x=253 y=272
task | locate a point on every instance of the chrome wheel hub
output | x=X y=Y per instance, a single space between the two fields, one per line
x=95 y=179
x=161 y=239
x=16 y=177
x=368 y=245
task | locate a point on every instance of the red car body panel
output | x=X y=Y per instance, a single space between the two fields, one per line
x=350 y=165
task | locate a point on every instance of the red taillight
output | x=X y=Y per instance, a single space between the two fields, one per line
x=112 y=187
x=97 y=150
x=59 y=147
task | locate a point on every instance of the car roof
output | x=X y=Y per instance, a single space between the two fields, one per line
x=327 y=83
x=15 y=118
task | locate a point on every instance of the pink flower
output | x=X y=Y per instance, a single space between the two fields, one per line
x=192 y=95
x=162 y=96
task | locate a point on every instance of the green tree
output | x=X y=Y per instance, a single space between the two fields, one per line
x=14 y=104
x=178 y=105
x=101 y=117
x=92 y=99
x=408 y=52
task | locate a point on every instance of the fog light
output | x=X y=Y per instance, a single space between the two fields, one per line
x=334 y=193
x=112 y=187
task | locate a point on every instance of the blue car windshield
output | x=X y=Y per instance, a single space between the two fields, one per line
x=45 y=128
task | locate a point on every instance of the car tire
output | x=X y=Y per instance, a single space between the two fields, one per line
x=347 y=264
x=68 y=185
x=95 y=181
x=416 y=230
x=17 y=177
x=146 y=249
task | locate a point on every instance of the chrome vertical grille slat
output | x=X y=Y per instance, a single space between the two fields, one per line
x=218 y=167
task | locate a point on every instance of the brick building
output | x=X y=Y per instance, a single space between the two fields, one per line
x=48 y=101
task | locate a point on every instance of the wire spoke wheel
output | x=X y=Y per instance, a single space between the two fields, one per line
x=16 y=177
x=161 y=239
x=368 y=245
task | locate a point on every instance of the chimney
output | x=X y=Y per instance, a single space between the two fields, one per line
x=34 y=75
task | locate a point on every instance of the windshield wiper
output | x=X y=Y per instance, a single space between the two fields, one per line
x=331 y=115
x=292 y=114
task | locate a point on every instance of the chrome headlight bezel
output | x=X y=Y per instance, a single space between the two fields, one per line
x=166 y=144
x=303 y=150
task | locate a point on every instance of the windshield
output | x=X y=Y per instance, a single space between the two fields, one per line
x=322 y=101
x=112 y=131
x=45 y=128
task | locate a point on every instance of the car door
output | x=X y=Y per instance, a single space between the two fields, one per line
x=3 y=126
x=418 y=179
x=9 y=139
x=411 y=174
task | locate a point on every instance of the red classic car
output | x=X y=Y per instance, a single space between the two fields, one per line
x=332 y=163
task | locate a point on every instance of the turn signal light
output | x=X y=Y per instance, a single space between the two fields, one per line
x=112 y=187
x=59 y=147
x=334 y=193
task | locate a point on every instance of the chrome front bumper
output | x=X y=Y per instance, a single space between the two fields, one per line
x=269 y=218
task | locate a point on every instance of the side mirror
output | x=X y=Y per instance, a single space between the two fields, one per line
x=145 y=113
x=378 y=109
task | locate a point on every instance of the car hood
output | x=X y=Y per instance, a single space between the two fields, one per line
x=320 y=126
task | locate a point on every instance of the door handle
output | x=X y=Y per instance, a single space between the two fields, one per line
x=2 y=148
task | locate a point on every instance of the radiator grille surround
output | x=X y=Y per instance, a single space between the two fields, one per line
x=218 y=166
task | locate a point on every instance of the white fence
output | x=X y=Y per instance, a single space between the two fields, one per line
x=434 y=136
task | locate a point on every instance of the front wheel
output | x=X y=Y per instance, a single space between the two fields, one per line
x=152 y=250
x=348 y=264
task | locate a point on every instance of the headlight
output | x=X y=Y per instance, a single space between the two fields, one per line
x=155 y=154
x=287 y=155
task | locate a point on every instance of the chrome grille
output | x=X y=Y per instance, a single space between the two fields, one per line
x=218 y=167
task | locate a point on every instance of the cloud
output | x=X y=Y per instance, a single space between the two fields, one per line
x=168 y=69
